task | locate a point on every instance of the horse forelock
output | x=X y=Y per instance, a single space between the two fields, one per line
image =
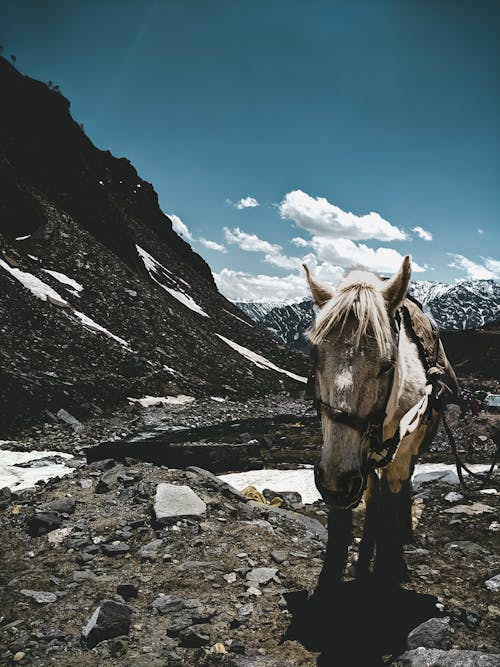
x=358 y=296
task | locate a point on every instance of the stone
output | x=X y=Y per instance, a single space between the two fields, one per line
x=40 y=597
x=494 y=527
x=465 y=548
x=193 y=638
x=230 y=577
x=149 y=551
x=434 y=633
x=453 y=497
x=41 y=523
x=115 y=549
x=279 y=556
x=62 y=505
x=110 y=479
x=173 y=502
x=17 y=657
x=261 y=575
x=246 y=609
x=446 y=476
x=225 y=488
x=193 y=565
x=111 y=619
x=127 y=591
x=433 y=657
x=470 y=510
x=58 y=535
x=66 y=417
x=493 y=584
x=166 y=604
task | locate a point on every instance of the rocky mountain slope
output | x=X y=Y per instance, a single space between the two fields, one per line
x=464 y=305
x=99 y=298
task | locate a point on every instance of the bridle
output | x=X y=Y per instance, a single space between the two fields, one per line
x=380 y=452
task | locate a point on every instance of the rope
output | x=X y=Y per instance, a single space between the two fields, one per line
x=461 y=466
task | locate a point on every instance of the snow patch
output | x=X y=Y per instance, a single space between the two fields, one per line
x=153 y=266
x=22 y=238
x=149 y=401
x=92 y=326
x=64 y=279
x=17 y=478
x=259 y=360
x=34 y=284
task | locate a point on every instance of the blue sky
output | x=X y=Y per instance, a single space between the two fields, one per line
x=321 y=112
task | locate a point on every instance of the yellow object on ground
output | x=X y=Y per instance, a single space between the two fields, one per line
x=251 y=493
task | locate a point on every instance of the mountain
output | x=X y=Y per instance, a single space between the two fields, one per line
x=99 y=298
x=465 y=305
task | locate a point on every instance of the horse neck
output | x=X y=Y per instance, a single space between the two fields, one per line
x=409 y=380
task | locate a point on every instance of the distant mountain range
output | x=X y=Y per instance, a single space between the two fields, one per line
x=468 y=304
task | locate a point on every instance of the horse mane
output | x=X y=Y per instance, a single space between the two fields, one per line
x=358 y=296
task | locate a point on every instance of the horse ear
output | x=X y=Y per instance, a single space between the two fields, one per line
x=320 y=293
x=395 y=288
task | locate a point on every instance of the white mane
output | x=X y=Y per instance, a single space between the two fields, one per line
x=358 y=296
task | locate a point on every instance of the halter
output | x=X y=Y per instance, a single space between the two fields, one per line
x=380 y=451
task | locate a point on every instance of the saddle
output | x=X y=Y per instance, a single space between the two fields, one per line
x=425 y=335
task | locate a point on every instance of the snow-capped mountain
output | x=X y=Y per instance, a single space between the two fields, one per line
x=100 y=299
x=464 y=305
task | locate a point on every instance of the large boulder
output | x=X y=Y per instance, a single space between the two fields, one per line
x=174 y=502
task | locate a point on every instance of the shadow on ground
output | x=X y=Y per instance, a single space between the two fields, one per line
x=357 y=623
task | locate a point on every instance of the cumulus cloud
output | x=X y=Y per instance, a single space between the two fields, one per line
x=473 y=269
x=250 y=242
x=180 y=228
x=346 y=253
x=283 y=261
x=300 y=242
x=246 y=202
x=322 y=218
x=212 y=245
x=423 y=233
x=241 y=286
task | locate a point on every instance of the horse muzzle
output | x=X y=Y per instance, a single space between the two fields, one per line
x=350 y=491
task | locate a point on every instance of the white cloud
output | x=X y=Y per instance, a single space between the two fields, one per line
x=492 y=264
x=283 y=261
x=246 y=202
x=480 y=231
x=348 y=254
x=250 y=242
x=318 y=216
x=472 y=269
x=423 y=233
x=300 y=242
x=179 y=227
x=241 y=286
x=212 y=245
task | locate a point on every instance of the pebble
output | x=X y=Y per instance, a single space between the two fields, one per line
x=40 y=597
x=493 y=584
x=261 y=575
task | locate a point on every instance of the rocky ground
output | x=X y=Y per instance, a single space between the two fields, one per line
x=210 y=578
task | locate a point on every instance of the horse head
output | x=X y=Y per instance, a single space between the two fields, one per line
x=355 y=341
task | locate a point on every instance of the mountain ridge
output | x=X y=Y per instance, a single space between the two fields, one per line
x=99 y=298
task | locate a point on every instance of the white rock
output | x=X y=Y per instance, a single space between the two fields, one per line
x=493 y=584
x=475 y=508
x=453 y=497
x=494 y=527
x=173 y=502
x=261 y=575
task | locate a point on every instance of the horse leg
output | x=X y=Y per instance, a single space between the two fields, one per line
x=339 y=539
x=367 y=544
x=394 y=521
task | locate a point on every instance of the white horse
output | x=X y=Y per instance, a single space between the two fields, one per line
x=370 y=380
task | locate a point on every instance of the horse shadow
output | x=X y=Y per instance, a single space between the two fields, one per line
x=358 y=622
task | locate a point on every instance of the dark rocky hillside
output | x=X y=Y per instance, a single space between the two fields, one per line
x=130 y=309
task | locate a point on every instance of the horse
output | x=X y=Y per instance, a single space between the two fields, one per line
x=379 y=405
